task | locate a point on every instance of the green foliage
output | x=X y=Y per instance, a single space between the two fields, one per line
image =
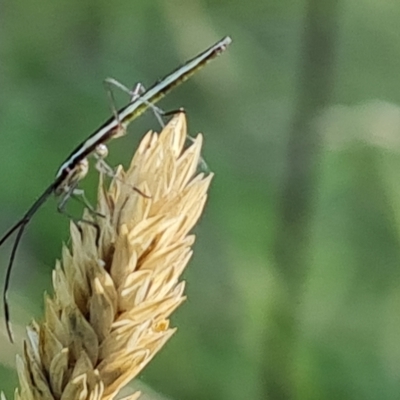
x=252 y=327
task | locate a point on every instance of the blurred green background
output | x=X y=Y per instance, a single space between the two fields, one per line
x=294 y=287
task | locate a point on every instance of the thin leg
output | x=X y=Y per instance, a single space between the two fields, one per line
x=158 y=112
x=134 y=95
x=61 y=209
x=112 y=103
x=105 y=169
x=84 y=200
x=202 y=163
x=111 y=100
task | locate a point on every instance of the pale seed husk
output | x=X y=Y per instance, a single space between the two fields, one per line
x=109 y=314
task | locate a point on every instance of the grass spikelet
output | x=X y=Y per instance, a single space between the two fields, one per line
x=109 y=314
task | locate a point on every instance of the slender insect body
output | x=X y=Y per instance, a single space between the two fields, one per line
x=114 y=127
x=76 y=166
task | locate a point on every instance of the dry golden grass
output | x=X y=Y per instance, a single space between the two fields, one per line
x=109 y=314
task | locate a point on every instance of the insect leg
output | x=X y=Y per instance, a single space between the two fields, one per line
x=80 y=196
x=61 y=209
x=100 y=154
x=134 y=95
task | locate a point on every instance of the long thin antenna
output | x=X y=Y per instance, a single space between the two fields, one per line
x=21 y=224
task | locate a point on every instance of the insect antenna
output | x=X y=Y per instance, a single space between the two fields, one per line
x=21 y=225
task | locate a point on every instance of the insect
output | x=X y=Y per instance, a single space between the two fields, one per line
x=76 y=166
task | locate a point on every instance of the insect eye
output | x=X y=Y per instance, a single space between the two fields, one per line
x=101 y=150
